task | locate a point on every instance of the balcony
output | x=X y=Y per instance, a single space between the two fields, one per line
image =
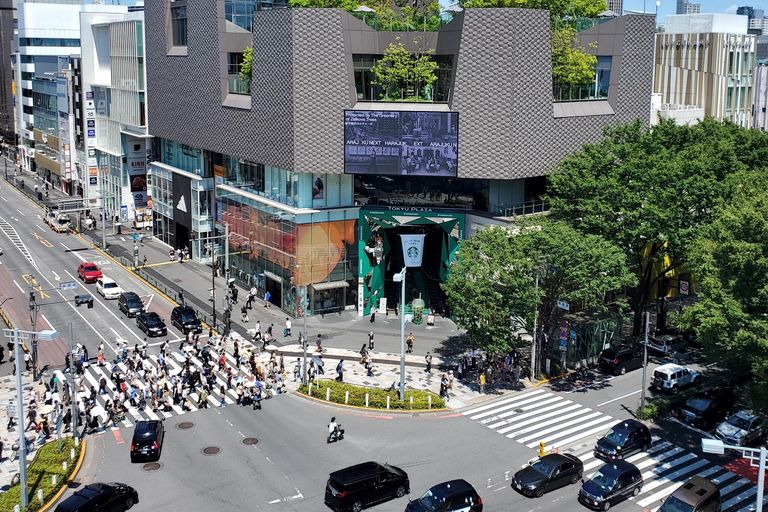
x=237 y=85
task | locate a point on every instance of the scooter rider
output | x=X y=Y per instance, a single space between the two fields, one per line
x=333 y=429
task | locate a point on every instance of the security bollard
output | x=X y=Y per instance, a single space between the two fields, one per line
x=54 y=479
x=387 y=402
x=310 y=389
x=328 y=394
x=72 y=453
x=366 y=399
x=64 y=465
x=346 y=398
x=429 y=399
x=411 y=401
x=40 y=495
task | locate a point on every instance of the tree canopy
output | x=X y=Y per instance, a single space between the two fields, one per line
x=650 y=191
x=571 y=64
x=246 y=68
x=400 y=71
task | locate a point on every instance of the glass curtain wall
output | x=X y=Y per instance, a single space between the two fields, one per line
x=162 y=204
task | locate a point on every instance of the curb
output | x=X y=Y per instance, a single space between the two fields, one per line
x=66 y=484
x=370 y=409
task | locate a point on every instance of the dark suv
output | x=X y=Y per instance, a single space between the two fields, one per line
x=612 y=483
x=130 y=304
x=704 y=409
x=453 y=495
x=185 y=319
x=151 y=323
x=96 y=497
x=622 y=440
x=618 y=360
x=147 y=443
x=695 y=495
x=365 y=484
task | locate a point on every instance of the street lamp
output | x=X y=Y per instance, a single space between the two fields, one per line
x=400 y=278
x=16 y=335
x=658 y=4
x=753 y=454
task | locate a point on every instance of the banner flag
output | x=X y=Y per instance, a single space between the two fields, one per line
x=413 y=247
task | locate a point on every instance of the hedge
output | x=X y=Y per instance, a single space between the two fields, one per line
x=377 y=398
x=47 y=462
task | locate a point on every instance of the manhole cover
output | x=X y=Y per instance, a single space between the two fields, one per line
x=176 y=280
x=152 y=466
x=250 y=440
x=211 y=450
x=184 y=425
x=518 y=410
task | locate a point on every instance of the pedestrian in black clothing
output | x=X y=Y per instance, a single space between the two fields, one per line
x=234 y=294
x=181 y=297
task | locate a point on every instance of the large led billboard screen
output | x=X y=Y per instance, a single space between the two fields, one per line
x=401 y=143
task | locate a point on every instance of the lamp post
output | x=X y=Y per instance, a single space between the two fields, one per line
x=658 y=4
x=16 y=335
x=755 y=455
x=400 y=278
x=645 y=367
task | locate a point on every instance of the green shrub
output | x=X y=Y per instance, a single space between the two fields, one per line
x=47 y=463
x=377 y=398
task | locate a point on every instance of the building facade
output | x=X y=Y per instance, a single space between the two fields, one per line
x=7 y=28
x=313 y=212
x=759 y=116
x=686 y=7
x=707 y=61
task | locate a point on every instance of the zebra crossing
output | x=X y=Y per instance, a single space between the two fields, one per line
x=175 y=362
x=541 y=415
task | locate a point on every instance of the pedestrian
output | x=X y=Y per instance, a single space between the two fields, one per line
x=370 y=341
x=297 y=370
x=287 y=331
x=203 y=399
x=181 y=256
x=141 y=239
x=482 y=383
x=181 y=297
x=27 y=359
x=11 y=411
x=428 y=361
x=102 y=385
x=101 y=354
x=2 y=354
x=135 y=239
x=363 y=352
x=269 y=332
x=444 y=387
x=234 y=293
x=340 y=371
x=251 y=297
x=171 y=254
x=318 y=343
x=409 y=342
x=223 y=396
x=244 y=311
x=267 y=296
x=369 y=366
x=145 y=261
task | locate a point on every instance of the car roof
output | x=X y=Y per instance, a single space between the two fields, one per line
x=670 y=367
x=452 y=487
x=747 y=414
x=87 y=263
x=105 y=279
x=618 y=467
x=694 y=490
x=357 y=472
x=152 y=314
x=184 y=308
x=131 y=295
x=558 y=458
x=628 y=424
x=145 y=427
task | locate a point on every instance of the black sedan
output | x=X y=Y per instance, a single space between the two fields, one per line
x=151 y=323
x=548 y=473
x=704 y=409
x=114 y=496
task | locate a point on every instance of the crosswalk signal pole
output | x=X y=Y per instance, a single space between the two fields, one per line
x=75 y=411
x=20 y=422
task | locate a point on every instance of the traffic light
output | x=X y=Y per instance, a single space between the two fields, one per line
x=84 y=299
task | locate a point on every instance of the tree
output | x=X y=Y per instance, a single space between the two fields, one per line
x=495 y=278
x=400 y=71
x=246 y=68
x=571 y=64
x=649 y=191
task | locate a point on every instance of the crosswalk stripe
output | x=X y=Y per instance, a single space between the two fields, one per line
x=528 y=410
x=515 y=405
x=506 y=400
x=582 y=416
x=534 y=416
x=581 y=434
x=660 y=495
x=535 y=422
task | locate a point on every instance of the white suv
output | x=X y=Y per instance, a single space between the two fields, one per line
x=108 y=288
x=671 y=377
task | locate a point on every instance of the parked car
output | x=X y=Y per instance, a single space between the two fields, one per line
x=365 y=484
x=618 y=360
x=96 y=497
x=108 y=288
x=672 y=377
x=696 y=495
x=741 y=429
x=611 y=484
x=704 y=409
x=622 y=440
x=151 y=323
x=89 y=272
x=185 y=319
x=548 y=473
x=666 y=344
x=453 y=495
x=147 y=442
x=130 y=304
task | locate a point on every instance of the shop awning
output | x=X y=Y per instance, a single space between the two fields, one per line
x=329 y=286
x=273 y=277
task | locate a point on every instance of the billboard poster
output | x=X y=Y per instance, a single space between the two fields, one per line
x=136 y=160
x=401 y=143
x=413 y=249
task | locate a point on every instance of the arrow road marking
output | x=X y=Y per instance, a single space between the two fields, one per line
x=55 y=276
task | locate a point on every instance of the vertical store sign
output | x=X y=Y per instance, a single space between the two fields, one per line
x=136 y=157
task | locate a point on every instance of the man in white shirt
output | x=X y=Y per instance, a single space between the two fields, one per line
x=287 y=327
x=251 y=297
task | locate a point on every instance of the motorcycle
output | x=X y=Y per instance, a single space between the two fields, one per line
x=336 y=435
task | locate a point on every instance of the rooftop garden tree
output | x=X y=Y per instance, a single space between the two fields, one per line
x=404 y=74
x=571 y=64
x=246 y=68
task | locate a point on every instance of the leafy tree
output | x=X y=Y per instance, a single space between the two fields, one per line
x=495 y=278
x=649 y=191
x=571 y=64
x=556 y=8
x=246 y=68
x=400 y=70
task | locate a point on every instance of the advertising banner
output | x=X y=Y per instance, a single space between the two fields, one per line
x=413 y=248
x=182 y=204
x=136 y=158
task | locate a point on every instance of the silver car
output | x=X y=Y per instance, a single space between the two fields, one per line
x=741 y=429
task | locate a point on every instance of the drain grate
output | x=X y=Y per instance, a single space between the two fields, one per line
x=185 y=425
x=152 y=466
x=250 y=440
x=211 y=450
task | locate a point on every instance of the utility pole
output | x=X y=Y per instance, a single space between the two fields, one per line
x=33 y=321
x=20 y=421
x=305 y=342
x=75 y=409
x=226 y=251
x=535 y=334
x=645 y=367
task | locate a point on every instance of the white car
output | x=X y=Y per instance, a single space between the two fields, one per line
x=741 y=429
x=108 y=288
x=671 y=377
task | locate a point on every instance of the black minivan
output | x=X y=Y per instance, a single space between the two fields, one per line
x=185 y=319
x=612 y=483
x=622 y=440
x=620 y=360
x=147 y=443
x=130 y=304
x=362 y=485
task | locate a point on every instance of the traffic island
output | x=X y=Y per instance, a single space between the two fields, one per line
x=47 y=476
x=326 y=390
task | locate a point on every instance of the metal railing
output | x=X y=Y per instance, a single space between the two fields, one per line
x=394 y=23
x=527 y=208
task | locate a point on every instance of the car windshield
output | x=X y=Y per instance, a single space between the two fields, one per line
x=542 y=467
x=431 y=501
x=616 y=437
x=153 y=319
x=188 y=317
x=674 y=504
x=604 y=482
x=134 y=302
x=698 y=404
x=110 y=285
x=144 y=442
x=739 y=421
x=90 y=268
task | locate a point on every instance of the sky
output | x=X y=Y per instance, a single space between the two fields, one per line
x=668 y=6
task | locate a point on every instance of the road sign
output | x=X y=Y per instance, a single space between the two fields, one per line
x=684 y=287
x=563 y=344
x=69 y=286
x=563 y=305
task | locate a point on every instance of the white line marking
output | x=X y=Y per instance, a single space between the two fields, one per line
x=46 y=320
x=273 y=502
x=4 y=199
x=19 y=287
x=589 y=385
x=21 y=212
x=702 y=432
x=55 y=276
x=297 y=496
x=619 y=398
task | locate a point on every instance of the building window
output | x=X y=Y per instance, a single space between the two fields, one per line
x=597 y=90
x=240 y=12
x=367 y=90
x=236 y=84
x=179 y=24
x=49 y=41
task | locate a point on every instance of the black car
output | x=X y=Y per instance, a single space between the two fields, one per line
x=151 y=323
x=622 y=440
x=610 y=484
x=704 y=409
x=548 y=473
x=185 y=319
x=130 y=304
x=453 y=495
x=618 y=360
x=147 y=443
x=365 y=484
x=115 y=497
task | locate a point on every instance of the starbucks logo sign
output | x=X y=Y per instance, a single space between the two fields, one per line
x=413 y=252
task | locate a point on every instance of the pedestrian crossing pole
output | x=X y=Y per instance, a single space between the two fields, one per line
x=75 y=412
x=645 y=367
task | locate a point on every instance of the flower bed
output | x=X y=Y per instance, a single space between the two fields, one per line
x=377 y=398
